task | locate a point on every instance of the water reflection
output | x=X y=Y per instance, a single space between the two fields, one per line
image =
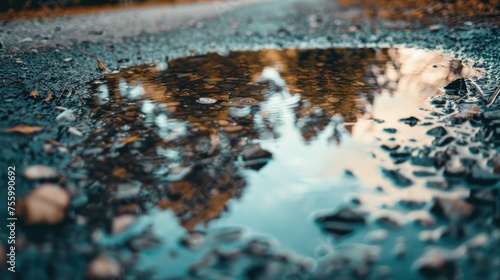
x=264 y=140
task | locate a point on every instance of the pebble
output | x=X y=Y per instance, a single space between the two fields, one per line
x=121 y=223
x=451 y=208
x=397 y=178
x=37 y=172
x=255 y=157
x=206 y=100
x=411 y=121
x=46 y=204
x=437 y=132
x=103 y=267
x=377 y=235
x=66 y=116
x=193 y=240
x=342 y=222
x=389 y=218
x=75 y=131
x=423 y=218
x=436 y=264
x=233 y=129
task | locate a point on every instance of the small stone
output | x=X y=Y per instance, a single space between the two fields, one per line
x=390 y=130
x=104 y=267
x=193 y=240
x=451 y=208
x=437 y=265
x=46 y=204
x=255 y=157
x=206 y=100
x=444 y=141
x=66 y=116
x=423 y=218
x=67 y=59
x=437 y=132
x=126 y=191
x=75 y=131
x=342 y=222
x=233 y=128
x=377 y=235
x=397 y=178
x=479 y=176
x=411 y=121
x=400 y=250
x=122 y=222
x=37 y=172
x=389 y=218
x=435 y=27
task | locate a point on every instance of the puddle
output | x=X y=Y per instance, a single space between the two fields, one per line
x=263 y=147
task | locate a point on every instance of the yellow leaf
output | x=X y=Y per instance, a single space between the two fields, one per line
x=24 y=129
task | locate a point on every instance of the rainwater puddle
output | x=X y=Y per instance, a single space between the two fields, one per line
x=293 y=163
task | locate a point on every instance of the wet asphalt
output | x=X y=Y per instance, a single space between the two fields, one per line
x=59 y=55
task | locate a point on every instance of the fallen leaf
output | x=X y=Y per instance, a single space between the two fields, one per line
x=34 y=94
x=131 y=139
x=49 y=97
x=24 y=129
x=102 y=67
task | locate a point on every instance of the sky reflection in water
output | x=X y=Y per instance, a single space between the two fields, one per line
x=325 y=115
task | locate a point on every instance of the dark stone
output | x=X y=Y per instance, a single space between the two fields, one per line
x=342 y=222
x=438 y=267
x=389 y=147
x=423 y=173
x=492 y=115
x=411 y=121
x=390 y=130
x=444 y=141
x=456 y=87
x=255 y=157
x=442 y=185
x=440 y=159
x=452 y=208
x=437 y=132
x=478 y=176
x=397 y=178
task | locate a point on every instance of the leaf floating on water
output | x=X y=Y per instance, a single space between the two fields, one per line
x=102 y=67
x=34 y=94
x=24 y=129
x=49 y=97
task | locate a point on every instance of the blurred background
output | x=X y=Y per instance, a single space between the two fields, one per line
x=17 y=5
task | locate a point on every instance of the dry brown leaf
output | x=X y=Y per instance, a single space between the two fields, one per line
x=34 y=94
x=131 y=139
x=24 y=129
x=49 y=97
x=102 y=67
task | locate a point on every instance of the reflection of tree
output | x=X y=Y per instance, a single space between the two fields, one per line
x=179 y=149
